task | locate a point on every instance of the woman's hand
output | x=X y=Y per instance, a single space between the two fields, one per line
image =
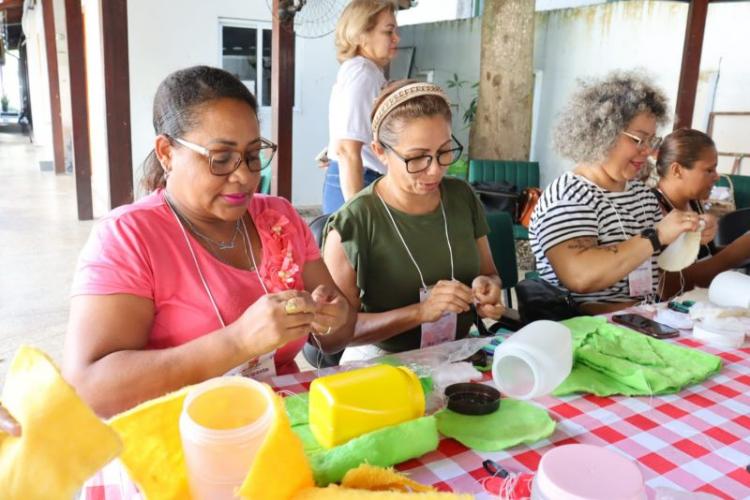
x=709 y=229
x=8 y=424
x=274 y=320
x=674 y=224
x=331 y=312
x=487 y=297
x=445 y=297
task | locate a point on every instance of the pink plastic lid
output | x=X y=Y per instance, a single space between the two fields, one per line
x=585 y=472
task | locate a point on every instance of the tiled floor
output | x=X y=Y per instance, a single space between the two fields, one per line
x=40 y=237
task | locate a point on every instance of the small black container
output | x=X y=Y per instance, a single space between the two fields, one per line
x=472 y=399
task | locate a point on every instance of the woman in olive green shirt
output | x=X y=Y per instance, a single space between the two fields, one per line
x=410 y=251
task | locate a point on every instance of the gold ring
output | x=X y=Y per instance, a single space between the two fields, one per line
x=291 y=307
x=327 y=332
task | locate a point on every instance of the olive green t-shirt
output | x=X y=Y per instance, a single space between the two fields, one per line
x=386 y=276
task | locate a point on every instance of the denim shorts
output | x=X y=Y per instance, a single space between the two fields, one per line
x=333 y=198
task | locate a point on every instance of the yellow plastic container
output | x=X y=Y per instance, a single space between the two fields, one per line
x=349 y=404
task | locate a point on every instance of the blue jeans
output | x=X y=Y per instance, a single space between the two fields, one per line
x=333 y=198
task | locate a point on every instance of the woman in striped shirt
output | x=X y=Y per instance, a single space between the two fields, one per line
x=597 y=230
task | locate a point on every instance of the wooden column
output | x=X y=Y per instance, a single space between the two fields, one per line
x=691 y=63
x=117 y=99
x=50 y=44
x=282 y=95
x=80 y=106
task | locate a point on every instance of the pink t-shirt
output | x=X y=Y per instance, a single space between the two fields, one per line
x=140 y=249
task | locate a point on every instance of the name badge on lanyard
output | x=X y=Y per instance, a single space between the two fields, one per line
x=641 y=280
x=437 y=332
x=259 y=369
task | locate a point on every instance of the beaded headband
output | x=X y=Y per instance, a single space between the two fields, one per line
x=405 y=93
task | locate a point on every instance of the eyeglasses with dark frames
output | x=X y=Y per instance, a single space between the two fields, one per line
x=223 y=162
x=420 y=163
x=653 y=142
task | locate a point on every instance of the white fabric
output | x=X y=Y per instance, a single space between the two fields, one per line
x=358 y=83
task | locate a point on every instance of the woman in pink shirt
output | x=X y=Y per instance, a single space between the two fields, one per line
x=202 y=277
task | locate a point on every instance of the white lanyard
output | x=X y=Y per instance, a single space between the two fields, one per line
x=414 y=261
x=198 y=267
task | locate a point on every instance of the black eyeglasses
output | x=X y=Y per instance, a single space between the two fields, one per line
x=420 y=163
x=223 y=162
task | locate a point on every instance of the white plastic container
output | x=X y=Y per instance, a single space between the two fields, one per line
x=224 y=421
x=730 y=289
x=586 y=472
x=533 y=361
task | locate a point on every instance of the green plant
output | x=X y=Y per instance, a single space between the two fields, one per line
x=4 y=102
x=458 y=84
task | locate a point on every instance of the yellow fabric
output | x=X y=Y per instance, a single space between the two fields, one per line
x=280 y=468
x=153 y=449
x=369 y=477
x=334 y=492
x=369 y=482
x=63 y=442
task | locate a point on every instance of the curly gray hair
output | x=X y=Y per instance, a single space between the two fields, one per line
x=602 y=108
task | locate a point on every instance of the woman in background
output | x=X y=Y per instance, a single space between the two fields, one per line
x=366 y=41
x=686 y=165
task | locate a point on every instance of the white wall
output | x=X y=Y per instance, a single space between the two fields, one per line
x=33 y=27
x=726 y=51
x=447 y=48
x=63 y=70
x=430 y=11
x=92 y=15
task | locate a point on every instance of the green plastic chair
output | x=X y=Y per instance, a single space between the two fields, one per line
x=265 y=181
x=522 y=174
x=503 y=248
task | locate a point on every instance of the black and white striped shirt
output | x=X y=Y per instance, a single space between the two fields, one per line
x=574 y=207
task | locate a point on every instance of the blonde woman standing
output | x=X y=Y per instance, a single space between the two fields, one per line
x=366 y=41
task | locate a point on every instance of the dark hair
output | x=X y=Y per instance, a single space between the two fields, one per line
x=683 y=146
x=176 y=104
x=419 y=107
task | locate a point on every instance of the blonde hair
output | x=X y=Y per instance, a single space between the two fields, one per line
x=359 y=17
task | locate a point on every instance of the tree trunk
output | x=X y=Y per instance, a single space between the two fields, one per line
x=502 y=128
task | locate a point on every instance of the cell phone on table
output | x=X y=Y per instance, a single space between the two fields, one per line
x=646 y=326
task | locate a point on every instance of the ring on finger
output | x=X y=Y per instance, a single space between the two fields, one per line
x=327 y=332
x=291 y=307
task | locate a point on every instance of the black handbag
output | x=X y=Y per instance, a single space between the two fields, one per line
x=501 y=196
x=539 y=299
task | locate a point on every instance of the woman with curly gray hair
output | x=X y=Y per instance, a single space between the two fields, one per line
x=597 y=230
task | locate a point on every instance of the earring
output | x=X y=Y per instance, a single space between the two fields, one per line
x=166 y=173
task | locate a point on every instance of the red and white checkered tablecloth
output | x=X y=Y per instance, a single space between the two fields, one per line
x=697 y=440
